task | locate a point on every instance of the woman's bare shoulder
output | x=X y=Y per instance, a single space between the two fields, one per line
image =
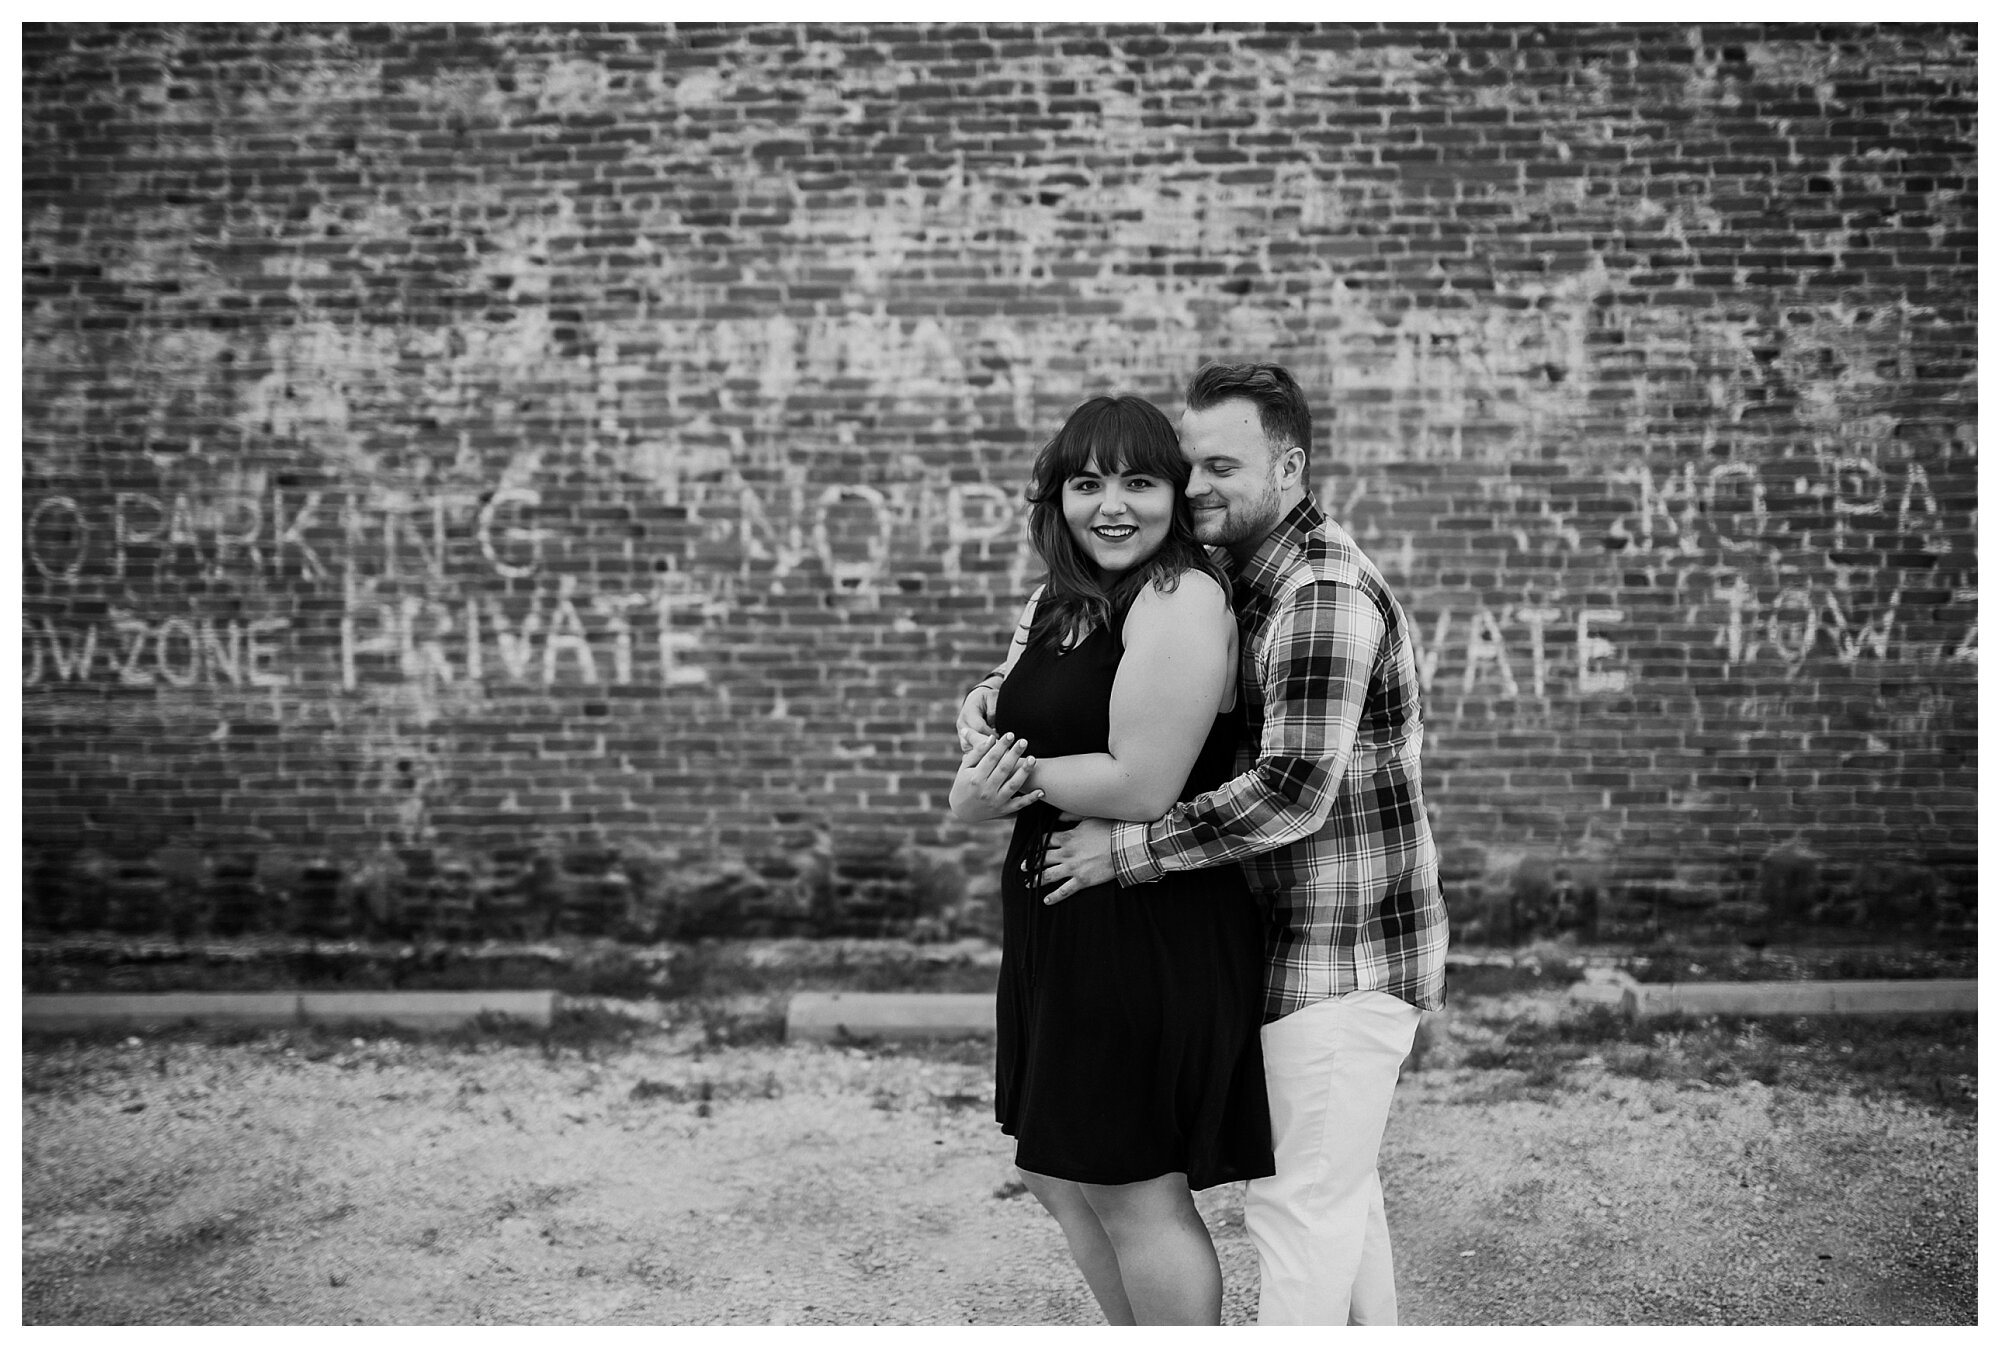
x=1190 y=588
x=1195 y=597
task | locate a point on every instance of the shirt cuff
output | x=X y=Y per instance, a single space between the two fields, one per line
x=1132 y=854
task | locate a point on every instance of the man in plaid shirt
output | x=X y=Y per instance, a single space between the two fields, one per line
x=1326 y=816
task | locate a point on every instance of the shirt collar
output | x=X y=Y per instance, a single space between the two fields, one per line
x=1267 y=563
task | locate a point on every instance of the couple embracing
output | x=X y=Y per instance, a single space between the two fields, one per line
x=1221 y=905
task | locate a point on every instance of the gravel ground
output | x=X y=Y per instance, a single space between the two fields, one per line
x=306 y=1179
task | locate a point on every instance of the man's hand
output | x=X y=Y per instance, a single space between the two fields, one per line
x=975 y=717
x=1078 y=858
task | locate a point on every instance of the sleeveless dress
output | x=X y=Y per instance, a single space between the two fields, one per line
x=1128 y=1016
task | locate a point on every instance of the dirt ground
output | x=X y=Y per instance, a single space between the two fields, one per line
x=309 y=1179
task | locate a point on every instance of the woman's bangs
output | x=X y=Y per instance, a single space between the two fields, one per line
x=1128 y=444
x=1107 y=457
x=1068 y=454
x=1111 y=438
x=1163 y=459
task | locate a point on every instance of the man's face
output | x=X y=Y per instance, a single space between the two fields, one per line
x=1235 y=482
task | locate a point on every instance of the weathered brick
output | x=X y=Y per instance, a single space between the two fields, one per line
x=496 y=479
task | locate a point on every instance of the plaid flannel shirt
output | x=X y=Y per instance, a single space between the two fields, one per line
x=1326 y=813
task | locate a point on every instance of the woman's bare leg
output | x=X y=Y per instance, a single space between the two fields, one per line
x=1088 y=1243
x=1165 y=1258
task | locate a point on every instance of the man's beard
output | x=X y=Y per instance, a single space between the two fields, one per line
x=1240 y=525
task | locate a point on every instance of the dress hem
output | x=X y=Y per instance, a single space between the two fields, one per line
x=1194 y=1184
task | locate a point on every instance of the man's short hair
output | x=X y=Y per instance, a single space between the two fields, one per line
x=1281 y=407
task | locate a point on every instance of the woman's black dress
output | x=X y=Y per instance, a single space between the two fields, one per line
x=1128 y=1015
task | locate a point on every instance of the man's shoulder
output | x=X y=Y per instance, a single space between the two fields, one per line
x=1328 y=555
x=1327 y=569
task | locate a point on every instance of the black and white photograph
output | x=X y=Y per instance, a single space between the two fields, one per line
x=925 y=672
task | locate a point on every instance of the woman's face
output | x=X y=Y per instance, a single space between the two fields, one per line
x=1117 y=521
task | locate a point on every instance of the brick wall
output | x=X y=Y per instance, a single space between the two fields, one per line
x=493 y=480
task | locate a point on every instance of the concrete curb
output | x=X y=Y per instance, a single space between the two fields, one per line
x=1780 y=997
x=816 y=1016
x=423 y=1010
x=813 y=1016
x=1808 y=996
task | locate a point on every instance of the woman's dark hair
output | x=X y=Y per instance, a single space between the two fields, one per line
x=1282 y=410
x=1120 y=434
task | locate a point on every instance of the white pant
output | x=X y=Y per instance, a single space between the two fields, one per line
x=1322 y=1238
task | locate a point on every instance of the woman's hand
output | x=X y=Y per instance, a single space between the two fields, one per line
x=990 y=779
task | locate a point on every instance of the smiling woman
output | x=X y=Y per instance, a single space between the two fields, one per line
x=1128 y=1065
